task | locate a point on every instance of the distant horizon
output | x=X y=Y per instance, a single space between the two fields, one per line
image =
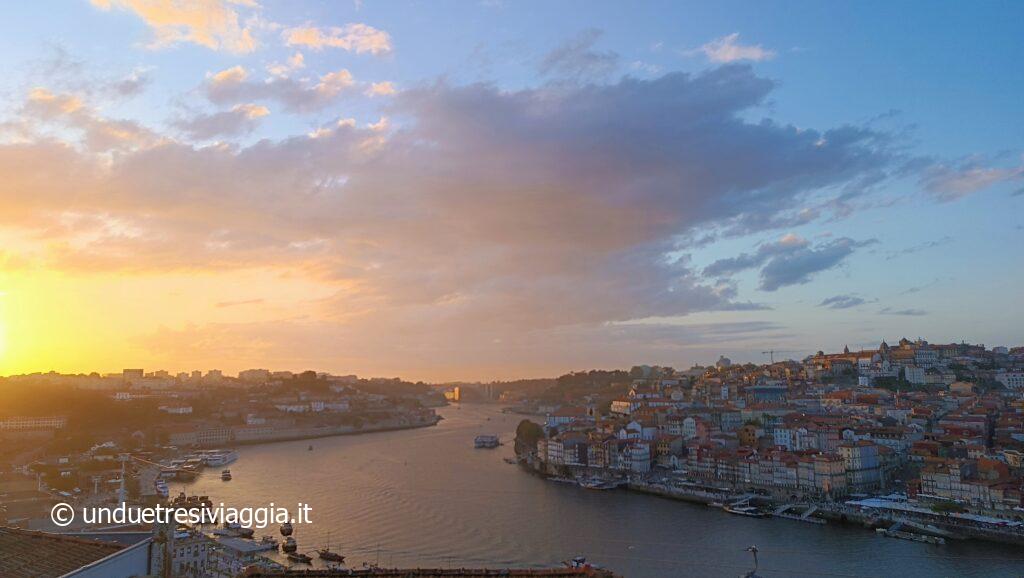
x=780 y=356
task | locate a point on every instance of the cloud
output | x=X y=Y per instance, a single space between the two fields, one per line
x=798 y=267
x=904 y=312
x=233 y=85
x=131 y=85
x=577 y=59
x=727 y=49
x=356 y=37
x=919 y=247
x=491 y=224
x=381 y=89
x=789 y=261
x=952 y=182
x=215 y=24
x=294 y=62
x=842 y=302
x=241 y=119
x=99 y=133
x=223 y=304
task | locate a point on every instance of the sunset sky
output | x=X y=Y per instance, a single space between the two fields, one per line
x=501 y=189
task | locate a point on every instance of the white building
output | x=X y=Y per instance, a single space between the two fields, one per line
x=1011 y=379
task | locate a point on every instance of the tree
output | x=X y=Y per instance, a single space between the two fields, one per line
x=527 y=435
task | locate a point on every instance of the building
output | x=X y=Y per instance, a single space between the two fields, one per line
x=254 y=375
x=1011 y=379
x=861 y=462
x=914 y=374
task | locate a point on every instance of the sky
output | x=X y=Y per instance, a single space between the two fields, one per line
x=496 y=189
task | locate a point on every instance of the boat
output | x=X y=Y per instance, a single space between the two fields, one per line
x=286 y=529
x=598 y=484
x=310 y=448
x=226 y=475
x=749 y=511
x=161 y=488
x=191 y=503
x=235 y=529
x=289 y=546
x=264 y=544
x=217 y=458
x=580 y=562
x=327 y=555
x=299 y=558
x=563 y=480
x=716 y=504
x=486 y=441
x=911 y=536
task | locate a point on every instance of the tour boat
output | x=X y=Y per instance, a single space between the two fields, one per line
x=486 y=441
x=216 y=458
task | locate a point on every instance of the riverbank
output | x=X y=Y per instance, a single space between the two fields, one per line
x=295 y=434
x=880 y=514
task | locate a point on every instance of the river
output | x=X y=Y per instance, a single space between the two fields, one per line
x=426 y=497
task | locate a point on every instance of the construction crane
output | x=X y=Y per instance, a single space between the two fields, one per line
x=771 y=353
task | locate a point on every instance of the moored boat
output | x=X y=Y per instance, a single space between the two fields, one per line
x=217 y=458
x=300 y=558
x=598 y=484
x=289 y=545
x=327 y=555
x=563 y=480
x=749 y=511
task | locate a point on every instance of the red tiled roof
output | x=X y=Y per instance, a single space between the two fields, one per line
x=28 y=554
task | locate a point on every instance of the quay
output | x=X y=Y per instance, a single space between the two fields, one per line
x=871 y=513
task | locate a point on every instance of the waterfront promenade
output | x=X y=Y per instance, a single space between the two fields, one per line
x=868 y=513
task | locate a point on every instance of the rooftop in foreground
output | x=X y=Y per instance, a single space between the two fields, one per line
x=28 y=554
x=586 y=572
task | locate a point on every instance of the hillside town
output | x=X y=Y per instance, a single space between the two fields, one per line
x=123 y=436
x=903 y=431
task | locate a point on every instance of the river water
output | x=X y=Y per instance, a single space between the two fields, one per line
x=426 y=497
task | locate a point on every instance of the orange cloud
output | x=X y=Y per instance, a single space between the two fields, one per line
x=356 y=37
x=215 y=24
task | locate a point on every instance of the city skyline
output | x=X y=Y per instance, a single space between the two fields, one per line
x=480 y=191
